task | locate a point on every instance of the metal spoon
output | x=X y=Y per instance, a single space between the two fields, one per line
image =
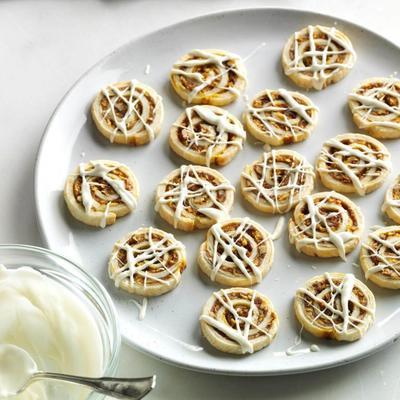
x=18 y=370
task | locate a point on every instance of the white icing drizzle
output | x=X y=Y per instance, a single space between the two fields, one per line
x=324 y=62
x=202 y=58
x=278 y=112
x=141 y=306
x=271 y=175
x=131 y=97
x=367 y=159
x=336 y=310
x=191 y=188
x=187 y=346
x=387 y=253
x=238 y=334
x=372 y=100
x=147 y=69
x=210 y=129
x=294 y=351
x=99 y=169
x=228 y=241
x=277 y=233
x=143 y=257
x=309 y=233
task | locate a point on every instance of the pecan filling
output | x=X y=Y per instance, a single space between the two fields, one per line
x=377 y=252
x=121 y=107
x=280 y=117
x=350 y=160
x=317 y=311
x=198 y=200
x=211 y=73
x=321 y=41
x=100 y=190
x=333 y=219
x=140 y=243
x=197 y=125
x=241 y=241
x=383 y=96
x=281 y=177
x=242 y=309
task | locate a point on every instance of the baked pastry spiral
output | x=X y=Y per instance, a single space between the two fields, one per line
x=236 y=252
x=375 y=106
x=211 y=76
x=279 y=117
x=194 y=197
x=239 y=321
x=353 y=163
x=100 y=191
x=380 y=257
x=317 y=56
x=147 y=262
x=128 y=112
x=277 y=182
x=207 y=135
x=326 y=224
x=391 y=204
x=335 y=306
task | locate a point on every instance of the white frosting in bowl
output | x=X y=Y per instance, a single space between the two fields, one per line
x=54 y=326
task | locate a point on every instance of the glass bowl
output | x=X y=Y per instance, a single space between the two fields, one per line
x=88 y=289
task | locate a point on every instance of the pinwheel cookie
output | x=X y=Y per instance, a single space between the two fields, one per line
x=353 y=163
x=335 y=306
x=380 y=257
x=239 y=321
x=128 y=112
x=279 y=117
x=326 y=224
x=391 y=204
x=207 y=135
x=212 y=76
x=236 y=252
x=100 y=191
x=375 y=106
x=194 y=197
x=277 y=182
x=317 y=56
x=147 y=262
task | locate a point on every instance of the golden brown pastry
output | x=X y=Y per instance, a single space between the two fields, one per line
x=317 y=56
x=128 y=112
x=239 y=321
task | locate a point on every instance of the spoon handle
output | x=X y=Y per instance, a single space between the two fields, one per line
x=120 y=388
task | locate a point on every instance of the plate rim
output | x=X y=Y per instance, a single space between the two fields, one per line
x=40 y=217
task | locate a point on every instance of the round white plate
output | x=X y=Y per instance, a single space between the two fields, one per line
x=171 y=329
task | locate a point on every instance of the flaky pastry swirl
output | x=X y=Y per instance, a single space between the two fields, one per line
x=210 y=76
x=380 y=257
x=326 y=224
x=128 y=112
x=277 y=182
x=239 y=320
x=278 y=117
x=207 y=135
x=317 y=56
x=335 y=306
x=100 y=191
x=147 y=262
x=236 y=252
x=353 y=163
x=194 y=197
x=375 y=105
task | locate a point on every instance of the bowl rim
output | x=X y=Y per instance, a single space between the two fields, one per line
x=115 y=344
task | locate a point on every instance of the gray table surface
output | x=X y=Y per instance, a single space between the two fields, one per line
x=45 y=45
